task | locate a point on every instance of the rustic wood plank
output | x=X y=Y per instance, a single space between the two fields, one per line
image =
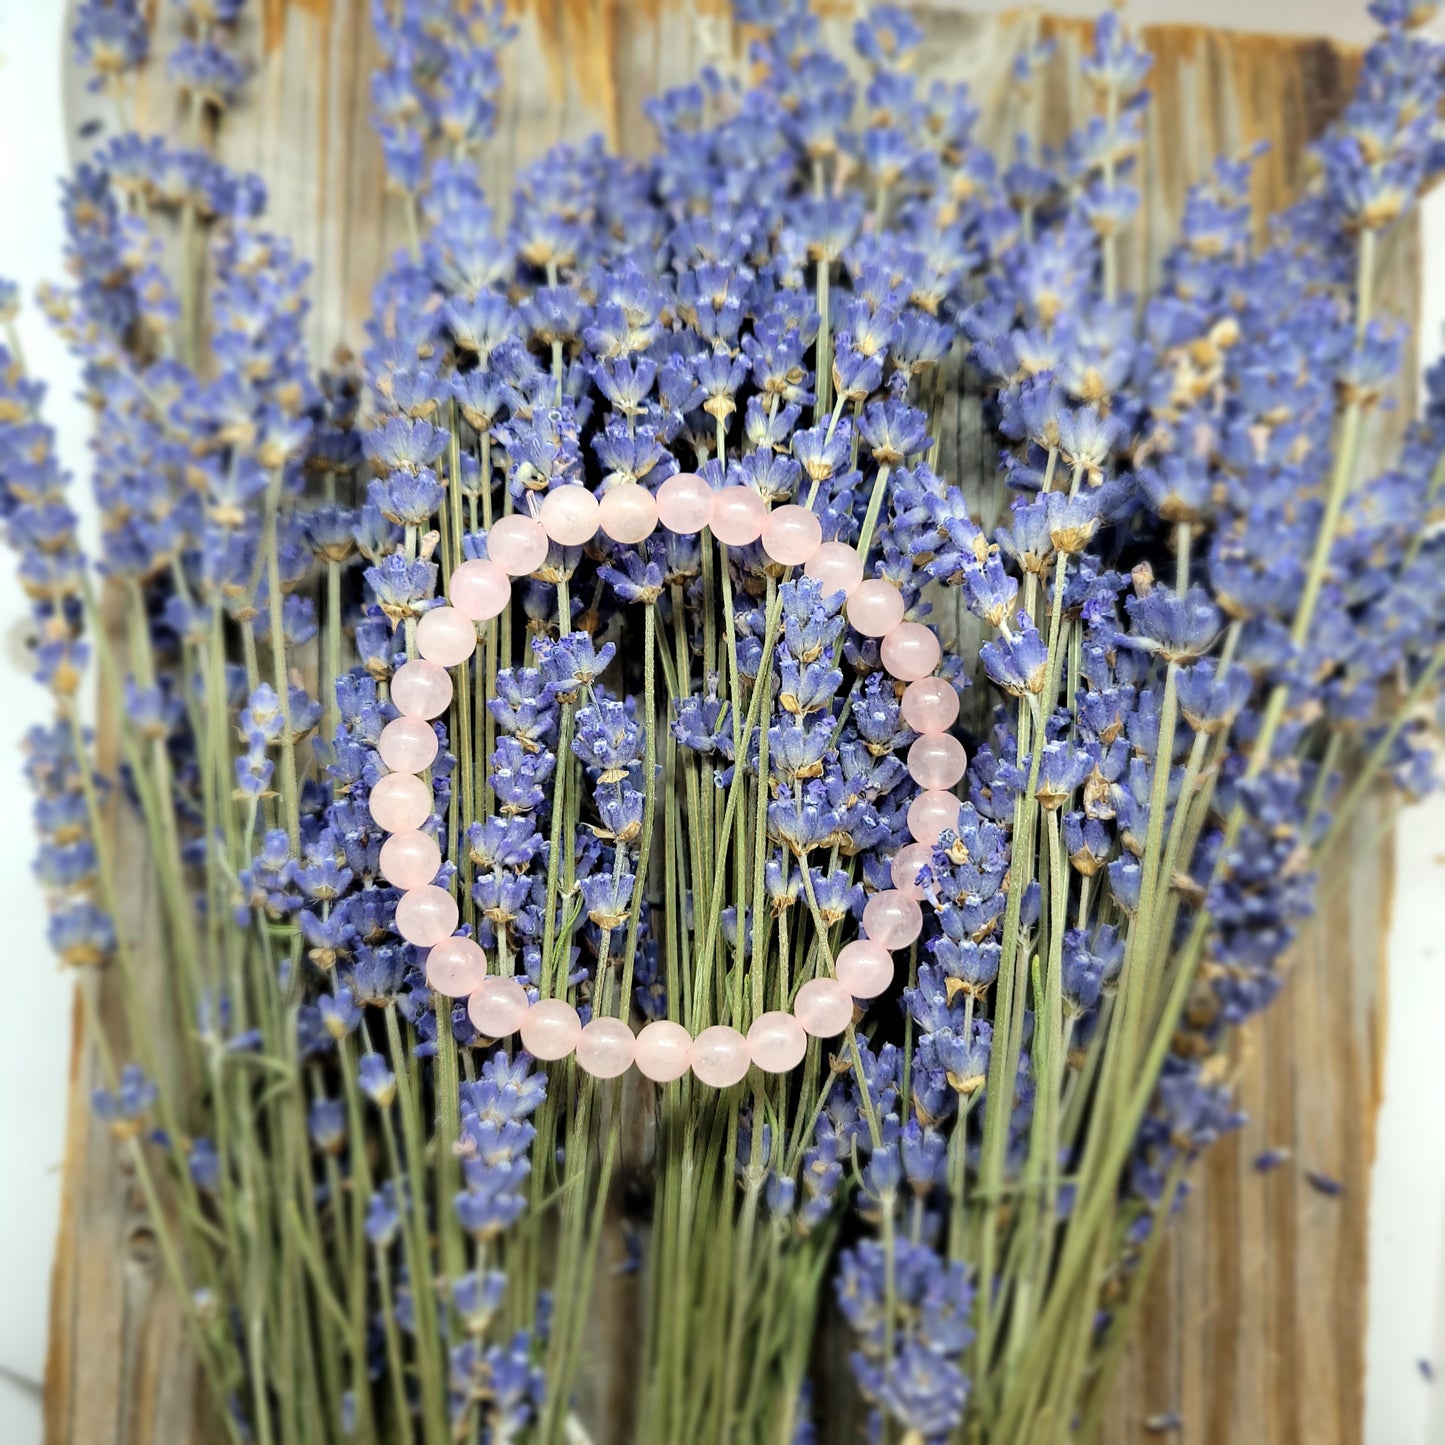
x=1252 y=1329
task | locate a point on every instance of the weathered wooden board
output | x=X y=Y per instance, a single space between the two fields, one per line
x=1252 y=1330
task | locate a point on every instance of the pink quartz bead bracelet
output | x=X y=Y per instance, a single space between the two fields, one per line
x=401 y=802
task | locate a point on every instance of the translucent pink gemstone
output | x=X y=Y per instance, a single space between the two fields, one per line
x=792 y=535
x=931 y=812
x=421 y=689
x=408 y=744
x=664 y=1051
x=517 y=544
x=837 y=567
x=823 y=1007
x=738 y=514
x=605 y=1047
x=445 y=637
x=720 y=1056
x=498 y=1007
x=425 y=916
x=937 y=761
x=875 y=607
x=550 y=1029
x=456 y=967
x=777 y=1042
x=628 y=513
x=910 y=651
x=684 y=504
x=410 y=860
x=480 y=590
x=865 y=968
x=930 y=705
x=569 y=515
x=908 y=862
x=400 y=802
x=892 y=919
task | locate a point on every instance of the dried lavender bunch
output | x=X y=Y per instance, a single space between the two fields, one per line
x=672 y=774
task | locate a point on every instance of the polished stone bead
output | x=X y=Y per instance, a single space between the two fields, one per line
x=720 y=1056
x=738 y=514
x=777 y=1042
x=410 y=859
x=517 y=544
x=550 y=1029
x=408 y=745
x=444 y=636
x=421 y=689
x=864 y=967
x=569 y=515
x=892 y=919
x=792 y=535
x=498 y=1007
x=836 y=567
x=930 y=705
x=605 y=1047
x=910 y=651
x=480 y=590
x=664 y=1051
x=931 y=813
x=628 y=513
x=400 y=802
x=684 y=504
x=875 y=607
x=937 y=761
x=425 y=916
x=456 y=967
x=823 y=1007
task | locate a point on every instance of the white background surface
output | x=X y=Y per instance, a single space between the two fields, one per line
x=34 y=1058
x=1406 y=1317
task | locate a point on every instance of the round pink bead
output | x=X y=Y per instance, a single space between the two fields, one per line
x=408 y=744
x=425 y=916
x=908 y=862
x=823 y=1007
x=517 y=544
x=400 y=802
x=551 y=1028
x=791 y=535
x=498 y=1007
x=865 y=968
x=445 y=637
x=605 y=1047
x=421 y=689
x=480 y=590
x=930 y=705
x=628 y=513
x=837 y=567
x=569 y=515
x=875 y=607
x=456 y=967
x=664 y=1051
x=738 y=514
x=684 y=504
x=892 y=919
x=910 y=651
x=410 y=860
x=720 y=1056
x=937 y=762
x=932 y=811
x=777 y=1042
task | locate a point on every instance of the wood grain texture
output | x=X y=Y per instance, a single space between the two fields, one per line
x=1252 y=1328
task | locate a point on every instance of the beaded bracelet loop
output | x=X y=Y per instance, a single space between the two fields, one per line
x=421 y=690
